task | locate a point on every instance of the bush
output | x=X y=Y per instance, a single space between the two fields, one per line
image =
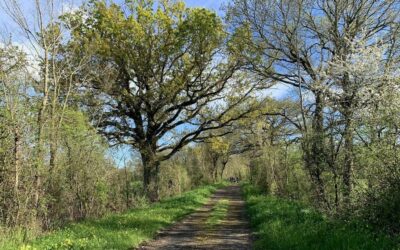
x=381 y=208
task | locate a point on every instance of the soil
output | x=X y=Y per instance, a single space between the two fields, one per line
x=233 y=232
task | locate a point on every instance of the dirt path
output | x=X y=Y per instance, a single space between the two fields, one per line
x=194 y=232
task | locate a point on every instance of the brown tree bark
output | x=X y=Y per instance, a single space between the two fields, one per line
x=151 y=173
x=314 y=156
x=224 y=163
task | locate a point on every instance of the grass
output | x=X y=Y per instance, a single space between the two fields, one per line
x=218 y=213
x=123 y=231
x=282 y=224
x=13 y=238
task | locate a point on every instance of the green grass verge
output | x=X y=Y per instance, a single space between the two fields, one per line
x=282 y=224
x=218 y=213
x=123 y=231
x=14 y=238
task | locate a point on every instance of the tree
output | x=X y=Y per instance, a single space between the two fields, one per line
x=217 y=150
x=13 y=115
x=295 y=42
x=362 y=80
x=160 y=76
x=51 y=78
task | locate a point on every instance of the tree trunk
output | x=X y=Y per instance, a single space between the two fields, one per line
x=53 y=156
x=215 y=167
x=17 y=169
x=348 y=158
x=315 y=159
x=40 y=125
x=127 y=201
x=224 y=163
x=151 y=173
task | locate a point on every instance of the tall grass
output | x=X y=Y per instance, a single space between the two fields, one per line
x=282 y=224
x=13 y=238
x=124 y=231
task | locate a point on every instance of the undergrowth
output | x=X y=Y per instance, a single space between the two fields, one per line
x=283 y=224
x=123 y=231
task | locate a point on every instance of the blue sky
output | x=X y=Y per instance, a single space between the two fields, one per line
x=7 y=26
x=210 y=4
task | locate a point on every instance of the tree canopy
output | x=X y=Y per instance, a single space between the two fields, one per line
x=162 y=76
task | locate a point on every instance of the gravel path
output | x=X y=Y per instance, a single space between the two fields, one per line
x=233 y=232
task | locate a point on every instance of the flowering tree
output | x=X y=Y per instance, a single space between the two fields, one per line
x=301 y=43
x=361 y=80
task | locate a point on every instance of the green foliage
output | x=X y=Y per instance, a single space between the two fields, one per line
x=154 y=69
x=122 y=231
x=82 y=181
x=283 y=224
x=174 y=178
x=155 y=49
x=381 y=208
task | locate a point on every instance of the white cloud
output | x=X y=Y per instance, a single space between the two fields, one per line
x=69 y=7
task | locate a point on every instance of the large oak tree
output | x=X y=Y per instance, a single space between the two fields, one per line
x=162 y=77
